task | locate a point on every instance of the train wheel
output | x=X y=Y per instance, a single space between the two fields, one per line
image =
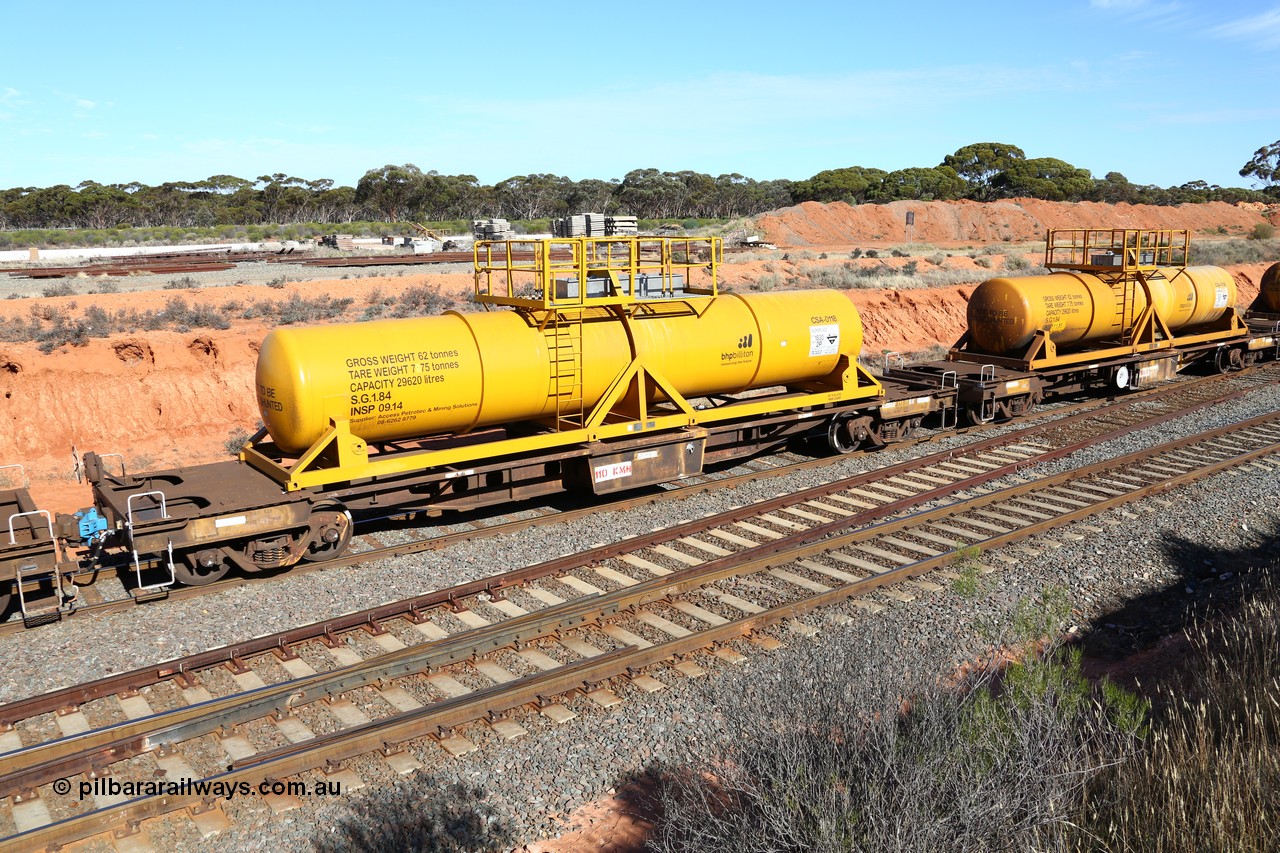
x=1229 y=360
x=839 y=437
x=975 y=414
x=196 y=568
x=330 y=533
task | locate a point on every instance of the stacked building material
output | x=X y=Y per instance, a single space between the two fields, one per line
x=492 y=229
x=570 y=226
x=618 y=226
x=593 y=225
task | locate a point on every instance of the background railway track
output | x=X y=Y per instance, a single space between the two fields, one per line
x=100 y=598
x=671 y=606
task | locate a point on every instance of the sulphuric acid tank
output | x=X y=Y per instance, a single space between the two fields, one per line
x=401 y=379
x=1076 y=307
x=1269 y=289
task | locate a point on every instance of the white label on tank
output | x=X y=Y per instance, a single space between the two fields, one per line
x=612 y=472
x=824 y=339
x=229 y=522
x=1219 y=297
x=646 y=454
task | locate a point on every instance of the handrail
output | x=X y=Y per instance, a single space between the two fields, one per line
x=48 y=519
x=1117 y=249
x=523 y=273
x=164 y=511
x=119 y=456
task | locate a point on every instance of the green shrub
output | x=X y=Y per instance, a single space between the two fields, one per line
x=1235 y=251
x=62 y=288
x=1262 y=231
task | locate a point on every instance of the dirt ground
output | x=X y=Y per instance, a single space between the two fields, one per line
x=168 y=398
x=954 y=223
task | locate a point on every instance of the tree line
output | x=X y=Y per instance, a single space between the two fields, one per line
x=984 y=171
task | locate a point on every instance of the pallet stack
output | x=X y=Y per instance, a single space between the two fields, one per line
x=492 y=229
x=593 y=225
x=571 y=226
x=620 y=226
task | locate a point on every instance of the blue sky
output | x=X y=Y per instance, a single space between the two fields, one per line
x=1164 y=92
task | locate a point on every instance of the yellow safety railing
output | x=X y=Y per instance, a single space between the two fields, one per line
x=582 y=272
x=1117 y=249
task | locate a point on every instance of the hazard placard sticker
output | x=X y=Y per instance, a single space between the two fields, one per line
x=824 y=339
x=1219 y=297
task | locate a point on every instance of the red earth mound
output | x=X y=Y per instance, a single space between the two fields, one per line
x=1018 y=220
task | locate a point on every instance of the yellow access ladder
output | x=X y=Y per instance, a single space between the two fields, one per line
x=564 y=347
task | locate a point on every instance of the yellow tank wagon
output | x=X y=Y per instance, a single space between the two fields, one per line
x=1078 y=308
x=605 y=339
x=1110 y=294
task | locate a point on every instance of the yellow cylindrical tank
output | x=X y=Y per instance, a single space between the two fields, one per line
x=1075 y=307
x=1269 y=289
x=400 y=379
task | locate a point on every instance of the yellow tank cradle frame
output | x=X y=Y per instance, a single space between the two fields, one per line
x=1123 y=258
x=526 y=277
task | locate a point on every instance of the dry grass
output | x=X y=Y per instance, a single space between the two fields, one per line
x=862 y=742
x=1208 y=775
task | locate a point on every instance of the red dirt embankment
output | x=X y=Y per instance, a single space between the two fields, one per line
x=1018 y=220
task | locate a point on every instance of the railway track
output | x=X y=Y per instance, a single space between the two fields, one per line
x=1134 y=411
x=285 y=707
